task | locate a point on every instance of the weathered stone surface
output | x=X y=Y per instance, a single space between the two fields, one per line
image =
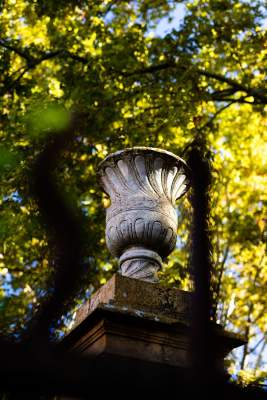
x=139 y=298
x=141 y=223
x=132 y=319
x=123 y=334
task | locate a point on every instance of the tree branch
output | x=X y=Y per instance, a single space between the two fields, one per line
x=257 y=344
x=260 y=94
x=16 y=50
x=31 y=61
x=215 y=115
x=12 y=85
x=76 y=57
x=260 y=355
x=234 y=85
x=218 y=286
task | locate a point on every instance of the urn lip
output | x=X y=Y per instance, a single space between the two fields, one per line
x=168 y=156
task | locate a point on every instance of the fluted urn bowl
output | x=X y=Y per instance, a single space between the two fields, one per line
x=141 y=222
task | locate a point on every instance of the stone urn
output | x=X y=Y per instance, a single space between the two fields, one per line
x=141 y=222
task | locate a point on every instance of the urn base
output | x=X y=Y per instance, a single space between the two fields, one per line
x=140 y=263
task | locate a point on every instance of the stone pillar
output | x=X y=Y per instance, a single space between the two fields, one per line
x=142 y=326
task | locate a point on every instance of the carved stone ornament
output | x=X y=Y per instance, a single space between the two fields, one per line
x=141 y=222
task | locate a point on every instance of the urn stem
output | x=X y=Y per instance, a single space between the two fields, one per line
x=140 y=263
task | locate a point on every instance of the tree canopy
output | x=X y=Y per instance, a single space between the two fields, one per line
x=130 y=84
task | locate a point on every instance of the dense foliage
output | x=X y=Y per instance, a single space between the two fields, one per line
x=131 y=84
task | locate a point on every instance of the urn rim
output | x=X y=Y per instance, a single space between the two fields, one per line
x=168 y=155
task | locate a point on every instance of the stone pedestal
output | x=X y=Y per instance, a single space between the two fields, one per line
x=142 y=326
